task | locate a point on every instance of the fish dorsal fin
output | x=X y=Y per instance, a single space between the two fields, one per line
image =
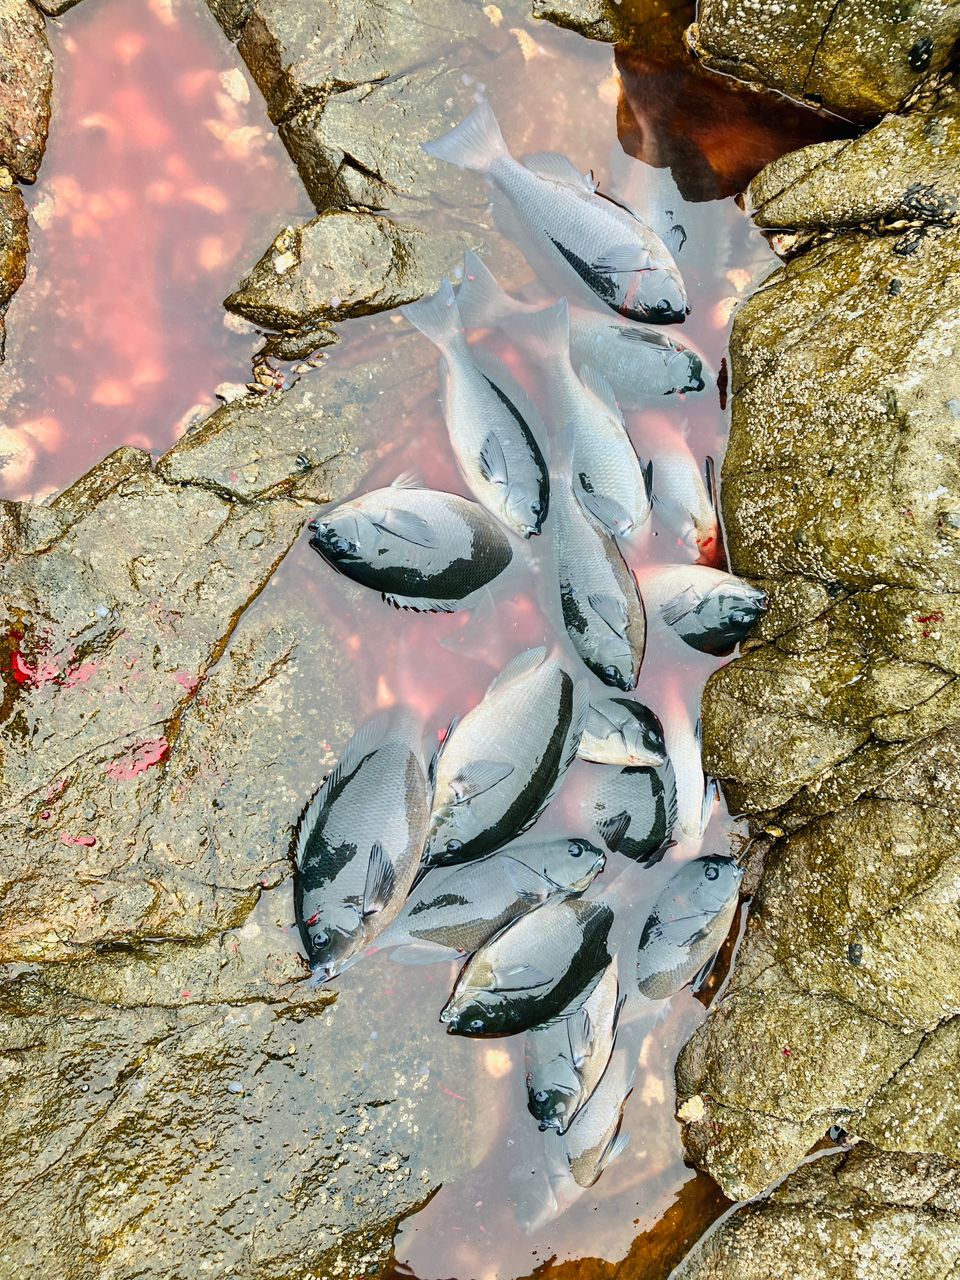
x=580 y=1036
x=710 y=478
x=406 y=526
x=594 y=381
x=520 y=665
x=711 y=792
x=610 y=610
x=439 y=750
x=495 y=371
x=530 y=885
x=380 y=883
x=613 y=1149
x=606 y=511
x=648 y=479
x=679 y=606
x=559 y=168
x=407 y=480
x=613 y=829
x=521 y=977
x=622 y=259
x=493 y=463
x=476 y=777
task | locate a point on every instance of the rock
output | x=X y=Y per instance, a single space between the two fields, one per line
x=342 y=265
x=26 y=82
x=903 y=170
x=859 y=60
x=842 y=1217
x=231 y=15
x=13 y=249
x=595 y=19
x=54 y=8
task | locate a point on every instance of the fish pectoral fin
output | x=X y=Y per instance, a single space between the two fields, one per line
x=380 y=883
x=680 y=605
x=521 y=977
x=476 y=777
x=529 y=884
x=610 y=610
x=406 y=526
x=682 y=932
x=580 y=1036
x=608 y=512
x=493 y=464
x=612 y=830
x=623 y=259
x=703 y=974
x=614 y=1148
x=559 y=168
x=521 y=665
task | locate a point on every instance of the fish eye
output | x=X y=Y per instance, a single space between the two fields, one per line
x=537 y=508
x=321 y=939
x=663 y=306
x=575 y=848
x=611 y=674
x=540 y=1096
x=711 y=872
x=475 y=1024
x=454 y=846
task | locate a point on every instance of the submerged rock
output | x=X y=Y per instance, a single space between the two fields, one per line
x=13 y=250
x=843 y=1216
x=858 y=60
x=26 y=81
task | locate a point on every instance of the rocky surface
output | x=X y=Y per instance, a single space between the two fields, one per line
x=13 y=250
x=837 y=728
x=857 y=59
x=843 y=1217
x=26 y=81
x=54 y=8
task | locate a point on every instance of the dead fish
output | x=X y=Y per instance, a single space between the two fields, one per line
x=358 y=841
x=613 y=484
x=556 y=214
x=420 y=548
x=687 y=925
x=536 y=968
x=682 y=738
x=707 y=609
x=502 y=763
x=461 y=909
x=640 y=362
x=594 y=1140
x=601 y=607
x=685 y=497
x=621 y=731
x=493 y=425
x=635 y=810
x=566 y=1059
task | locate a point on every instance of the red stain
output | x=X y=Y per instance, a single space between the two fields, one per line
x=139 y=760
x=43 y=673
x=188 y=681
x=81 y=674
x=86 y=841
x=451 y=1094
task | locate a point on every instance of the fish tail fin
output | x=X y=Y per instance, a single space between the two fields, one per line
x=437 y=317
x=482 y=301
x=545 y=333
x=475 y=143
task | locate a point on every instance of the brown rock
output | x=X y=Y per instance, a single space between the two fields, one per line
x=26 y=81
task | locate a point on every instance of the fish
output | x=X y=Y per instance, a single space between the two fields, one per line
x=562 y=223
x=358 y=841
x=599 y=601
x=566 y=1060
x=639 y=361
x=635 y=810
x=538 y=967
x=687 y=925
x=708 y=609
x=421 y=549
x=593 y=1140
x=682 y=738
x=613 y=484
x=621 y=731
x=502 y=763
x=495 y=429
x=685 y=498
x=461 y=909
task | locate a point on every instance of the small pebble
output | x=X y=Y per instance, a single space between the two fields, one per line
x=234 y=1087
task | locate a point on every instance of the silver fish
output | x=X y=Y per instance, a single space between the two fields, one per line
x=420 y=548
x=694 y=796
x=538 y=967
x=602 y=610
x=566 y=1060
x=502 y=763
x=707 y=609
x=621 y=731
x=687 y=925
x=613 y=485
x=461 y=909
x=493 y=425
x=685 y=497
x=635 y=810
x=594 y=1140
x=558 y=218
x=639 y=361
x=357 y=844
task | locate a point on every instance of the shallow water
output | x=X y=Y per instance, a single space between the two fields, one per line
x=163 y=183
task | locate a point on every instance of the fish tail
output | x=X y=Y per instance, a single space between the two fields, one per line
x=475 y=143
x=482 y=302
x=545 y=333
x=437 y=317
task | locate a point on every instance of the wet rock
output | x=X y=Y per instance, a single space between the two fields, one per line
x=13 y=250
x=26 y=81
x=903 y=170
x=843 y=1217
x=54 y=8
x=231 y=15
x=342 y=265
x=859 y=60
x=595 y=19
